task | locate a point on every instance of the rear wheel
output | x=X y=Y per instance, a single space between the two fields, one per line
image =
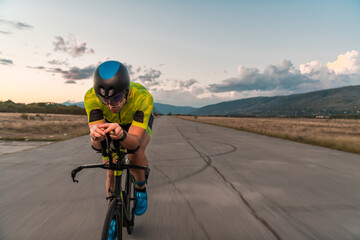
x=112 y=229
x=130 y=202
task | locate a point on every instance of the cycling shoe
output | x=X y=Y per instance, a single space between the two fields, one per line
x=141 y=203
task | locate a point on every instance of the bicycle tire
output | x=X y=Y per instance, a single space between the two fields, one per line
x=114 y=212
x=130 y=202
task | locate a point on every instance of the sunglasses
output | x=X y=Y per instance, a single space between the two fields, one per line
x=113 y=101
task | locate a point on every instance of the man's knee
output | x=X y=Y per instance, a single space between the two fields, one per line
x=140 y=154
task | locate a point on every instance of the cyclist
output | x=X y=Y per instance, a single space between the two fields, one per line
x=123 y=109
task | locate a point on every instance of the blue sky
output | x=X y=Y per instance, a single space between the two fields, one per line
x=185 y=52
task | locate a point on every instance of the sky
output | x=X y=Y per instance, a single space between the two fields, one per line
x=186 y=53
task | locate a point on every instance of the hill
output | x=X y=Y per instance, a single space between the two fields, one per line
x=166 y=108
x=71 y=103
x=344 y=100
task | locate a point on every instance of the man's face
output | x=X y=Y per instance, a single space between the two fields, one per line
x=116 y=103
x=116 y=108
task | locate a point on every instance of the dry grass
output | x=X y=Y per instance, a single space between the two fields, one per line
x=340 y=134
x=38 y=126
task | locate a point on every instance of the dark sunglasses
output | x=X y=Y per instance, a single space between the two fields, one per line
x=113 y=101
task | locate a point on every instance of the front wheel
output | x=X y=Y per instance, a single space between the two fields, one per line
x=130 y=201
x=112 y=229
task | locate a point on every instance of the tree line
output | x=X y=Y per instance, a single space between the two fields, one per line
x=45 y=107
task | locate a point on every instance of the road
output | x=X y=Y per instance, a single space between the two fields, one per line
x=206 y=182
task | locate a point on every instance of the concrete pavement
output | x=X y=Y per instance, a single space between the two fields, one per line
x=206 y=182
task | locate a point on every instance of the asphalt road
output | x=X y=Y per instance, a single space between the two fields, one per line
x=206 y=182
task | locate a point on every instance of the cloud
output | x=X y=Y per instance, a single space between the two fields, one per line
x=58 y=62
x=147 y=77
x=74 y=73
x=348 y=63
x=16 y=24
x=184 y=85
x=150 y=75
x=72 y=46
x=310 y=68
x=129 y=67
x=182 y=98
x=71 y=75
x=39 y=67
x=70 y=82
x=5 y=32
x=6 y=61
x=282 y=76
x=187 y=84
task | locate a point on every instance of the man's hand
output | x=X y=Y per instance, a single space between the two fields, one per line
x=114 y=130
x=96 y=132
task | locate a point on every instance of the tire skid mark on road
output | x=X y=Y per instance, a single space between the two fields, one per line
x=207 y=159
x=224 y=153
x=180 y=178
x=234 y=148
x=187 y=202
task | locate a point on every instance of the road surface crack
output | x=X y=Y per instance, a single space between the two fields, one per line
x=207 y=159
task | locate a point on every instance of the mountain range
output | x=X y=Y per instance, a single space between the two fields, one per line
x=343 y=100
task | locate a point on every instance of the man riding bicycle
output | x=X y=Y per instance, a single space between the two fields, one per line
x=123 y=109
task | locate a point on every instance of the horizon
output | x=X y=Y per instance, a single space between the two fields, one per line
x=75 y=102
x=250 y=49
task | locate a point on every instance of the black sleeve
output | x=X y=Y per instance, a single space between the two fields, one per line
x=139 y=116
x=95 y=115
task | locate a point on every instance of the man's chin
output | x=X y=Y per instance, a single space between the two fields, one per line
x=114 y=110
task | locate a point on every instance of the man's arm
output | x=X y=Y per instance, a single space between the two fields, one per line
x=97 y=134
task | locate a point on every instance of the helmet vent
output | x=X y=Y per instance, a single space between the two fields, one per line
x=102 y=91
x=111 y=92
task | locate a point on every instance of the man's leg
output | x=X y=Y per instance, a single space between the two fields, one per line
x=139 y=158
x=109 y=182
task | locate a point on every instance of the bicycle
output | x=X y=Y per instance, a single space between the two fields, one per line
x=121 y=208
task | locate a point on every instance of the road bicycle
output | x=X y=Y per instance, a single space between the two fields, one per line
x=122 y=201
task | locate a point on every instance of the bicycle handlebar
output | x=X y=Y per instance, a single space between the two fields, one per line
x=116 y=167
x=106 y=152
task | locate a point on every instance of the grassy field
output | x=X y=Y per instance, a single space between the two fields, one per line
x=340 y=134
x=41 y=127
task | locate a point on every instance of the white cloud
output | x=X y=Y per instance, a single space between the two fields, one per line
x=72 y=46
x=183 y=98
x=311 y=67
x=282 y=76
x=285 y=78
x=348 y=63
